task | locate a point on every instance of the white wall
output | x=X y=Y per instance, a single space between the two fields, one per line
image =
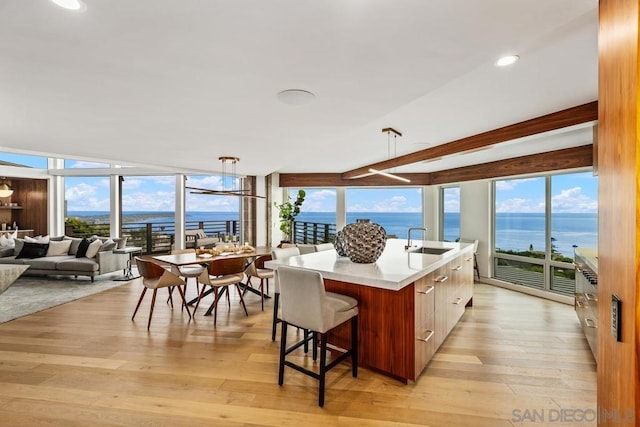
x=430 y=211
x=475 y=220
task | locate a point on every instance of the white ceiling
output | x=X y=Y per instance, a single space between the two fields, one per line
x=180 y=83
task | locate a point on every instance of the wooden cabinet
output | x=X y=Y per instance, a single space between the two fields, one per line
x=442 y=284
x=424 y=322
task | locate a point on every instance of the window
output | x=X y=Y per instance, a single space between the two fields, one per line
x=81 y=164
x=450 y=224
x=316 y=222
x=148 y=212
x=24 y=160
x=574 y=214
x=538 y=222
x=395 y=209
x=86 y=206
x=520 y=217
x=216 y=215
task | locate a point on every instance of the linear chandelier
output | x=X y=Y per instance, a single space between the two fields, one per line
x=389 y=131
x=226 y=176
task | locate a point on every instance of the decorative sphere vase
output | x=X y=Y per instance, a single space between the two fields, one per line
x=339 y=244
x=364 y=241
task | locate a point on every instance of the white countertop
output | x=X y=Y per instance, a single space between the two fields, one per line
x=395 y=269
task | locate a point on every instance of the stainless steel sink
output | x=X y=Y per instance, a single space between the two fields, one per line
x=430 y=251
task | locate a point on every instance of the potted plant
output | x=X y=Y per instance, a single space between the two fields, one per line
x=288 y=212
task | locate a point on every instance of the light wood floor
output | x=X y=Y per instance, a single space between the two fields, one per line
x=86 y=363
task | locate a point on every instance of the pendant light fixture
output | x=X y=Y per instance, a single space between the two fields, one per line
x=228 y=175
x=395 y=133
x=5 y=189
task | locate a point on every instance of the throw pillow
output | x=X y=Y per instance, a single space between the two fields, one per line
x=33 y=250
x=75 y=242
x=121 y=242
x=93 y=248
x=37 y=239
x=58 y=248
x=7 y=242
x=82 y=248
x=107 y=246
x=18 y=246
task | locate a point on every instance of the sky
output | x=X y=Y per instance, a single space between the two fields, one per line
x=571 y=193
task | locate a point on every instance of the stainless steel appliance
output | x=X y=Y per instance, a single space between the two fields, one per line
x=586 y=303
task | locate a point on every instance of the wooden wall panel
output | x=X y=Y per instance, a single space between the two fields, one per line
x=31 y=194
x=619 y=211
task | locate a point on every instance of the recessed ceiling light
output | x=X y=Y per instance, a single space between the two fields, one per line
x=507 y=60
x=76 y=5
x=295 y=96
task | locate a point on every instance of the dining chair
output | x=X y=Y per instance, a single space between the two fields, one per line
x=324 y=247
x=279 y=253
x=221 y=274
x=257 y=269
x=188 y=271
x=307 y=305
x=154 y=276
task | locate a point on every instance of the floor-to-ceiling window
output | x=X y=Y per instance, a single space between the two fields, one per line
x=396 y=209
x=86 y=204
x=538 y=222
x=450 y=214
x=148 y=211
x=217 y=215
x=316 y=222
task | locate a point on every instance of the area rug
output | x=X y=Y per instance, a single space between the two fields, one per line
x=30 y=294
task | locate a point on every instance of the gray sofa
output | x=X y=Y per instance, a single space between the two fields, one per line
x=197 y=238
x=104 y=261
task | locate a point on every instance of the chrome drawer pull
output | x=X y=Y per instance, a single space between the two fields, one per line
x=427 y=338
x=469 y=259
x=429 y=289
x=590 y=323
x=441 y=279
x=458 y=301
x=580 y=304
x=457 y=268
x=591 y=297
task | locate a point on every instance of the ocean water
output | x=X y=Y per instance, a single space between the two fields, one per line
x=514 y=231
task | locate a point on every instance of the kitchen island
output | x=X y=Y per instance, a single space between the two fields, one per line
x=408 y=302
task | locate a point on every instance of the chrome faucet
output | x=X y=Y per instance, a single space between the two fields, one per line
x=408 y=245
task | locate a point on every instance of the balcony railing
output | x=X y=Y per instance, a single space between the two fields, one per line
x=313 y=232
x=157 y=237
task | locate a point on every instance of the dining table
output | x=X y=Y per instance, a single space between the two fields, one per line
x=191 y=258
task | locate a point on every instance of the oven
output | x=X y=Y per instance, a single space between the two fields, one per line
x=586 y=301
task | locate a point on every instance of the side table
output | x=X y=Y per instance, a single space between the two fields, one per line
x=130 y=250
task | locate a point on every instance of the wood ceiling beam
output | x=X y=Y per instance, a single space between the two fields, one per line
x=558 y=120
x=304 y=180
x=568 y=158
